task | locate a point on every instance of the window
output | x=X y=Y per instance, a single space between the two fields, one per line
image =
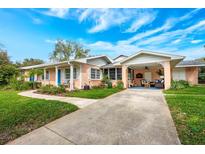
x=67 y=74
x=95 y=73
x=47 y=75
x=106 y=72
x=119 y=73
x=201 y=76
x=98 y=74
x=74 y=73
x=112 y=73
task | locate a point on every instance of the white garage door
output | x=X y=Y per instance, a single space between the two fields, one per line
x=179 y=74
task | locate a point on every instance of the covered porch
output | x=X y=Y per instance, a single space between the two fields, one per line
x=149 y=75
x=61 y=74
x=149 y=69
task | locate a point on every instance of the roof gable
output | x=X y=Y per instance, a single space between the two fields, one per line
x=154 y=54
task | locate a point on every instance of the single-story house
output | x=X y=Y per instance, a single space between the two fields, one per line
x=143 y=66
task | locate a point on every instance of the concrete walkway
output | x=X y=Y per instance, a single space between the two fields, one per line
x=128 y=117
x=80 y=102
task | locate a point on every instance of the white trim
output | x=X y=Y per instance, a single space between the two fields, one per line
x=56 y=71
x=35 y=77
x=200 y=65
x=44 y=75
x=71 y=77
x=80 y=76
x=116 y=73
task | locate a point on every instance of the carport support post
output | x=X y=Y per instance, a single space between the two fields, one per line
x=167 y=74
x=125 y=76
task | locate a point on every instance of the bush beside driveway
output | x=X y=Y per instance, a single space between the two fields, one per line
x=188 y=111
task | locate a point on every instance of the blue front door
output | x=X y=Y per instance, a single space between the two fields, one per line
x=32 y=78
x=59 y=77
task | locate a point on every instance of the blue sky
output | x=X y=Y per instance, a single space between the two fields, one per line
x=32 y=33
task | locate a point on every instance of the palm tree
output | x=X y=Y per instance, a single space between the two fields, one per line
x=65 y=50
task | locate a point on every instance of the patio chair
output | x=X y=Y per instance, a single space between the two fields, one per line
x=159 y=84
x=143 y=82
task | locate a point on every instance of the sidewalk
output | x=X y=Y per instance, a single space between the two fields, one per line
x=80 y=102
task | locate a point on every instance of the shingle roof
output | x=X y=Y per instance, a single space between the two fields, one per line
x=80 y=60
x=114 y=64
x=120 y=56
x=189 y=63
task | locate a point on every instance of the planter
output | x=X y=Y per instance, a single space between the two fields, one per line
x=86 y=87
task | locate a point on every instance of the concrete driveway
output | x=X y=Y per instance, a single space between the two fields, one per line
x=128 y=117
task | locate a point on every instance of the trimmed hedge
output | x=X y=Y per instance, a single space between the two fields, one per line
x=181 y=84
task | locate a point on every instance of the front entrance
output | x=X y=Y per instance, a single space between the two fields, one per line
x=59 y=76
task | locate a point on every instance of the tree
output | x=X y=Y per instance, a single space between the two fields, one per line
x=79 y=52
x=4 y=58
x=30 y=61
x=65 y=50
x=7 y=71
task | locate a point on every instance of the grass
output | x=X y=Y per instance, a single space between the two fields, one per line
x=195 y=90
x=96 y=93
x=20 y=115
x=187 y=107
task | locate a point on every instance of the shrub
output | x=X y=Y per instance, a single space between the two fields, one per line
x=53 y=90
x=61 y=89
x=105 y=79
x=19 y=84
x=181 y=84
x=109 y=84
x=120 y=84
x=22 y=85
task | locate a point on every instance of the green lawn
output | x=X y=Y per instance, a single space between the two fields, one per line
x=195 y=90
x=20 y=115
x=94 y=93
x=188 y=111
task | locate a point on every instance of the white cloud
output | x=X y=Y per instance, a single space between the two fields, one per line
x=171 y=22
x=37 y=21
x=192 y=52
x=140 y=21
x=170 y=36
x=159 y=43
x=196 y=41
x=111 y=48
x=176 y=41
x=140 y=36
x=104 y=19
x=51 y=41
x=57 y=12
x=189 y=15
